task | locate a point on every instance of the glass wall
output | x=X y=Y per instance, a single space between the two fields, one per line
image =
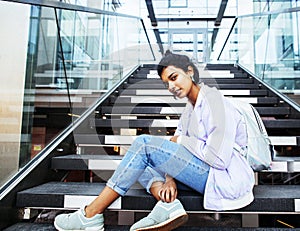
x=13 y=55
x=65 y=61
x=265 y=6
x=267 y=45
x=273 y=52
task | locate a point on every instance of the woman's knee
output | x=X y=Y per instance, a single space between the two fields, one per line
x=144 y=138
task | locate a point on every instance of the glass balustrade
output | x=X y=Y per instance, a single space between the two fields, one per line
x=267 y=45
x=58 y=62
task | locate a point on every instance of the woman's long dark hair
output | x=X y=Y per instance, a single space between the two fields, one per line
x=179 y=61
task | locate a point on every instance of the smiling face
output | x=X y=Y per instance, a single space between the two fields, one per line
x=179 y=83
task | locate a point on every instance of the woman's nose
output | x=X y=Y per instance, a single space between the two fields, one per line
x=171 y=85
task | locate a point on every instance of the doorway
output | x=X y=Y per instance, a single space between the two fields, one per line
x=191 y=41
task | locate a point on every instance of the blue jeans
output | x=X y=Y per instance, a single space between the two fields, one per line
x=150 y=158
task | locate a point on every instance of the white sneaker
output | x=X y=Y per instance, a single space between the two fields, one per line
x=164 y=216
x=78 y=221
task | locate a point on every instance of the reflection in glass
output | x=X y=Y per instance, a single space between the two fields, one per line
x=267 y=45
x=73 y=59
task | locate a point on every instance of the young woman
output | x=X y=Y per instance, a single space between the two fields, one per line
x=199 y=155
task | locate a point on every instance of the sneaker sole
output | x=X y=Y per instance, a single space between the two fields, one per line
x=60 y=229
x=168 y=225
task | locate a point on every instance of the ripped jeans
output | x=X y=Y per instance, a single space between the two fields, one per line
x=150 y=158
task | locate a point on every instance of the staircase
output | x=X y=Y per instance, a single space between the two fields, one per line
x=142 y=105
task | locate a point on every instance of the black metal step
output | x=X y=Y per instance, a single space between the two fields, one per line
x=212 y=66
x=102 y=161
x=164 y=91
x=158 y=101
x=124 y=110
x=133 y=80
x=164 y=123
x=147 y=85
x=268 y=198
x=149 y=65
x=103 y=139
x=282 y=123
x=84 y=162
x=139 y=110
x=144 y=75
x=50 y=227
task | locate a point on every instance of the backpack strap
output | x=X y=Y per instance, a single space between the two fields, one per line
x=240 y=150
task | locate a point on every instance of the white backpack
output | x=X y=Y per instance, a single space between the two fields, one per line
x=259 y=150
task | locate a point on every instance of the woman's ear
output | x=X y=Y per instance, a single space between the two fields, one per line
x=190 y=71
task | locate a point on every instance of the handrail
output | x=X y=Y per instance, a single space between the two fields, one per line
x=231 y=29
x=276 y=92
x=144 y=27
x=67 y=6
x=21 y=174
x=63 y=61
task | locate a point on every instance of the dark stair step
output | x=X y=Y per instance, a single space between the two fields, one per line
x=146 y=85
x=268 y=198
x=263 y=111
x=214 y=66
x=205 y=80
x=147 y=123
x=50 y=227
x=282 y=123
x=138 y=110
x=82 y=162
x=144 y=75
x=253 y=100
x=31 y=227
x=149 y=65
x=158 y=110
x=115 y=140
x=149 y=91
x=102 y=161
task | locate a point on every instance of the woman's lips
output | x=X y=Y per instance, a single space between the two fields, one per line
x=177 y=92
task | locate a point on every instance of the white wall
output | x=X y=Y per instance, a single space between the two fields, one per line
x=14 y=26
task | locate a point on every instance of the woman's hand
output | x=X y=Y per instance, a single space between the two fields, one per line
x=174 y=139
x=168 y=191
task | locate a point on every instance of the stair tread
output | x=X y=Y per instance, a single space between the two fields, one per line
x=164 y=92
x=172 y=123
x=160 y=110
x=127 y=139
x=268 y=198
x=104 y=156
x=102 y=161
x=149 y=85
x=205 y=80
x=22 y=226
x=170 y=101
